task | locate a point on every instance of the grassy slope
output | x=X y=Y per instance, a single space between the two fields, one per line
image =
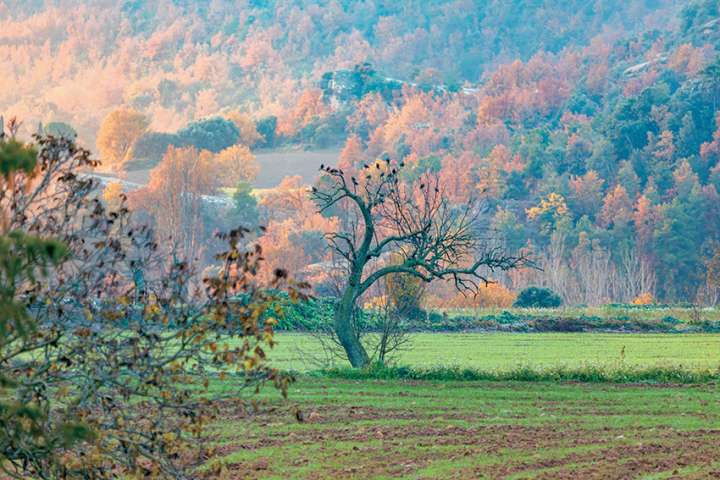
x=375 y=429
x=505 y=351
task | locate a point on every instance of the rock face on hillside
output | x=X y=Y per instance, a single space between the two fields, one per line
x=344 y=86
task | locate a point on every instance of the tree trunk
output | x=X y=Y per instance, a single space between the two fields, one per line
x=345 y=330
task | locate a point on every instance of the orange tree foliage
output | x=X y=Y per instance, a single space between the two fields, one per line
x=294 y=236
x=234 y=165
x=249 y=135
x=285 y=200
x=178 y=60
x=617 y=208
x=586 y=193
x=710 y=151
x=625 y=105
x=644 y=299
x=309 y=108
x=174 y=197
x=490 y=295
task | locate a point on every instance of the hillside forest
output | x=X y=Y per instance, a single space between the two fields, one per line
x=590 y=140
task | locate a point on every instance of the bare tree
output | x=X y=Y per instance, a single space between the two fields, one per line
x=390 y=319
x=433 y=239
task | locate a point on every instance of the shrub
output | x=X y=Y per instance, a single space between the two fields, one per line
x=644 y=299
x=537 y=297
x=311 y=315
x=404 y=294
x=559 y=325
x=506 y=318
x=213 y=134
x=490 y=295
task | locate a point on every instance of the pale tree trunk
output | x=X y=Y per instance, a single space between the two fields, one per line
x=554 y=270
x=593 y=274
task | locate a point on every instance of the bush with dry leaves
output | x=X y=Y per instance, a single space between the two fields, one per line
x=108 y=349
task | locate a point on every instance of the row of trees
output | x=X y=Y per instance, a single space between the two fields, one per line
x=124 y=141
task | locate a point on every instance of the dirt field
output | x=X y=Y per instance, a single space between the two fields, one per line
x=274 y=165
x=376 y=429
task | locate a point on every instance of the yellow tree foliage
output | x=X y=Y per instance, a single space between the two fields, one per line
x=234 y=165
x=117 y=134
x=112 y=194
x=549 y=211
x=404 y=293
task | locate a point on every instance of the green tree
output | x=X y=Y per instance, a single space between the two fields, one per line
x=245 y=206
x=149 y=149
x=60 y=129
x=537 y=297
x=678 y=239
x=214 y=134
x=267 y=128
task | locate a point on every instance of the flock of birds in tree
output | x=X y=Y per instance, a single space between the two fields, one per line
x=393 y=173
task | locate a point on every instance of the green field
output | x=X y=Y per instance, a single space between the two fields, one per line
x=506 y=351
x=376 y=429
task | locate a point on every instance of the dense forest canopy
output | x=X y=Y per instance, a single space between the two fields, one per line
x=590 y=130
x=182 y=60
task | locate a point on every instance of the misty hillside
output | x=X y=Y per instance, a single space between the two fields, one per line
x=178 y=61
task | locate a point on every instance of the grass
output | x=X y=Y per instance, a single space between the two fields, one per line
x=500 y=352
x=418 y=421
x=379 y=429
x=657 y=375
